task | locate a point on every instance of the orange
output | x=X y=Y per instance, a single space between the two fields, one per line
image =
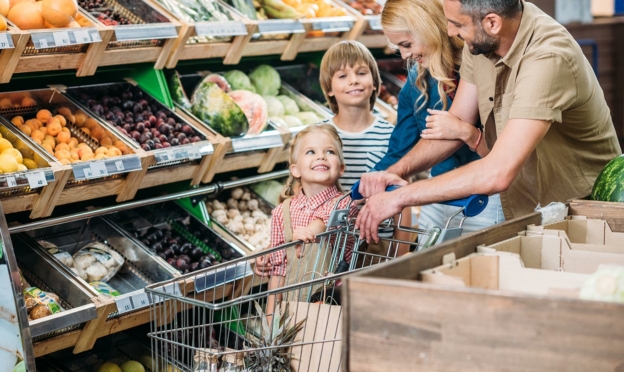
x=46 y=146
x=62 y=154
x=65 y=161
x=60 y=13
x=14 y=2
x=26 y=16
x=64 y=111
x=27 y=101
x=73 y=141
x=80 y=119
x=91 y=123
x=84 y=151
x=98 y=133
x=87 y=156
x=100 y=156
x=113 y=151
x=106 y=141
x=101 y=150
x=18 y=120
x=43 y=130
x=5 y=102
x=36 y=134
x=25 y=129
x=82 y=21
x=63 y=137
x=61 y=119
x=44 y=115
x=54 y=127
x=5 y=5
x=74 y=154
x=62 y=146
x=74 y=24
x=37 y=141
x=65 y=129
x=86 y=130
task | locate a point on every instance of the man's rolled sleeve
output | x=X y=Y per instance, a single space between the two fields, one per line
x=466 y=69
x=545 y=87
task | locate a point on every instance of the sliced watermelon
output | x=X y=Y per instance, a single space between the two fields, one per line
x=254 y=107
x=609 y=185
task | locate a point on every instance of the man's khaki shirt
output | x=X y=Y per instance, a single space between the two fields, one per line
x=545 y=76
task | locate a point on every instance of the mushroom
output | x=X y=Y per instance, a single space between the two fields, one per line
x=237 y=193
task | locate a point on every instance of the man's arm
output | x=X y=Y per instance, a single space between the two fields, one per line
x=428 y=153
x=490 y=175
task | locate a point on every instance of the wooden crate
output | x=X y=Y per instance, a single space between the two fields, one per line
x=443 y=328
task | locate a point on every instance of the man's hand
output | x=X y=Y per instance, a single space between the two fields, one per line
x=373 y=183
x=378 y=208
x=303 y=233
x=263 y=266
x=443 y=125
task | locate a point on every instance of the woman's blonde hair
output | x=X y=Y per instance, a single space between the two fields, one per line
x=424 y=20
x=347 y=53
x=294 y=184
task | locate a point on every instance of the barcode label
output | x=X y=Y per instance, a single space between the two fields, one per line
x=36 y=179
x=220 y=29
x=5 y=41
x=11 y=182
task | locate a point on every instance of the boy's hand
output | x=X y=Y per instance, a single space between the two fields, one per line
x=263 y=266
x=442 y=125
x=303 y=233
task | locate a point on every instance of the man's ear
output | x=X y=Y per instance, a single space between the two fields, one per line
x=492 y=24
x=294 y=171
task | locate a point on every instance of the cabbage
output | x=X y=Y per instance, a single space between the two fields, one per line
x=238 y=80
x=290 y=106
x=266 y=80
x=269 y=191
x=292 y=121
x=307 y=117
x=275 y=106
x=278 y=121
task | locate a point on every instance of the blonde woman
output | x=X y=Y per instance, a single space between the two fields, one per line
x=418 y=29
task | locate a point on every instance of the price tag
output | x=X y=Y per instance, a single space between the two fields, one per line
x=95 y=36
x=141 y=300
x=332 y=26
x=220 y=29
x=36 y=179
x=43 y=43
x=61 y=38
x=99 y=169
x=193 y=153
x=82 y=36
x=5 y=41
x=11 y=181
x=375 y=24
x=88 y=173
x=119 y=165
x=124 y=304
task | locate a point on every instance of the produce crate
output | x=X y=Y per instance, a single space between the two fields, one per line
x=137 y=26
x=41 y=271
x=140 y=269
x=12 y=43
x=178 y=162
x=265 y=147
x=62 y=49
x=306 y=78
x=454 y=328
x=76 y=174
x=222 y=38
x=367 y=28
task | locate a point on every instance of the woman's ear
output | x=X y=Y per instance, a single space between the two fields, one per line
x=294 y=171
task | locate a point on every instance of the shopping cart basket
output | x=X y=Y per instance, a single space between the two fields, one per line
x=224 y=326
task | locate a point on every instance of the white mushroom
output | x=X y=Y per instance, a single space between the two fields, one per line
x=246 y=196
x=249 y=220
x=252 y=205
x=246 y=214
x=217 y=205
x=231 y=213
x=232 y=203
x=258 y=214
x=250 y=228
x=238 y=218
x=237 y=193
x=242 y=205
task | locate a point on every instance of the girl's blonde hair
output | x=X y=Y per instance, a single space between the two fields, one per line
x=347 y=53
x=424 y=20
x=294 y=184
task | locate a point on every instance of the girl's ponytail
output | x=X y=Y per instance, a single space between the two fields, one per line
x=289 y=189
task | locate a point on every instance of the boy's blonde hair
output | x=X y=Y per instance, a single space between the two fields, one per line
x=294 y=184
x=424 y=20
x=347 y=53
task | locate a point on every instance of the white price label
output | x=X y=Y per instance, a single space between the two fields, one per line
x=4 y=41
x=43 y=43
x=61 y=38
x=193 y=153
x=11 y=182
x=124 y=304
x=141 y=300
x=119 y=165
x=95 y=36
x=82 y=36
x=36 y=179
x=88 y=173
x=99 y=169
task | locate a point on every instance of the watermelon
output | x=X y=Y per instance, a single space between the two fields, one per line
x=254 y=107
x=215 y=108
x=177 y=91
x=609 y=185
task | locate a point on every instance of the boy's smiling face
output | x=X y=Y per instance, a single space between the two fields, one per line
x=352 y=86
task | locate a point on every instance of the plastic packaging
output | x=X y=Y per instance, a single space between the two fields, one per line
x=105 y=289
x=40 y=304
x=553 y=212
x=99 y=262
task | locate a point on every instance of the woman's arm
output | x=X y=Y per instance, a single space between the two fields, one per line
x=442 y=125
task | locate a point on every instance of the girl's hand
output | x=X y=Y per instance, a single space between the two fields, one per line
x=443 y=125
x=303 y=233
x=263 y=266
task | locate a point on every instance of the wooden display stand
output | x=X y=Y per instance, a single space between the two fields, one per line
x=451 y=328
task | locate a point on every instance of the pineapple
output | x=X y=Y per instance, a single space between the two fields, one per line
x=272 y=359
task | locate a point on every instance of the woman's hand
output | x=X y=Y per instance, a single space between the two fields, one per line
x=443 y=125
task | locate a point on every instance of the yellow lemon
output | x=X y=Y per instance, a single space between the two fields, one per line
x=8 y=164
x=21 y=168
x=5 y=144
x=30 y=164
x=14 y=153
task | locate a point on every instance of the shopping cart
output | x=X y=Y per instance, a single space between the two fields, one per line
x=223 y=325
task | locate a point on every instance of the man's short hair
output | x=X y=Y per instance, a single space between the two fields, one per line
x=478 y=9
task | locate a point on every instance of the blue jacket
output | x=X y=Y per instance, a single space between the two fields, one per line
x=410 y=124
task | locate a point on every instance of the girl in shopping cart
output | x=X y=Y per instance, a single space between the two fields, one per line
x=316 y=165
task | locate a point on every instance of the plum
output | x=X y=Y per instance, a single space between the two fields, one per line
x=162 y=255
x=185 y=258
x=194 y=266
x=175 y=248
x=158 y=247
x=171 y=261
x=203 y=264
x=168 y=252
x=196 y=253
x=181 y=264
x=186 y=129
x=186 y=248
x=195 y=139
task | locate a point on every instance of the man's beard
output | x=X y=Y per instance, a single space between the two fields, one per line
x=483 y=43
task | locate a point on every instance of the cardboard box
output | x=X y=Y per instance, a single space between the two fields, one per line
x=503 y=271
x=582 y=230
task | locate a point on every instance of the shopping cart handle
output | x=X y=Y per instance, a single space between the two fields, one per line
x=473 y=205
x=355 y=192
